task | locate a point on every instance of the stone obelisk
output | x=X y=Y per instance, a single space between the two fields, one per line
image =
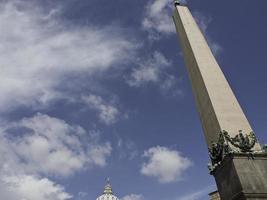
x=239 y=163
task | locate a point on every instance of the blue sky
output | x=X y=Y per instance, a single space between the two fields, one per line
x=97 y=88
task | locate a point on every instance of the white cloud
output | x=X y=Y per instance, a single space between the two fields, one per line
x=38 y=51
x=150 y=71
x=143 y=75
x=40 y=146
x=155 y=71
x=215 y=47
x=127 y=149
x=133 y=197
x=164 y=164
x=82 y=195
x=47 y=145
x=25 y=187
x=108 y=113
x=158 y=18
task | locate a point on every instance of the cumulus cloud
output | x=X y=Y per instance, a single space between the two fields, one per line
x=34 y=148
x=38 y=51
x=82 y=195
x=158 y=18
x=144 y=74
x=164 y=164
x=155 y=71
x=133 y=197
x=31 y=188
x=108 y=113
x=47 y=145
x=150 y=71
x=127 y=149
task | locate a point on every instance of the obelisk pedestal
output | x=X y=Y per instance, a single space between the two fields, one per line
x=242 y=177
x=239 y=163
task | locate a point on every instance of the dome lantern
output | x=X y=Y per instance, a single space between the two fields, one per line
x=108 y=188
x=108 y=193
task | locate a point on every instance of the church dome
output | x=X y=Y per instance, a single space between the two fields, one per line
x=108 y=193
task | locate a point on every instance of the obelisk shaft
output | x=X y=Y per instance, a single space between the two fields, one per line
x=217 y=105
x=239 y=167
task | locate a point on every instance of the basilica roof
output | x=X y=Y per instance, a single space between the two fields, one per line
x=108 y=193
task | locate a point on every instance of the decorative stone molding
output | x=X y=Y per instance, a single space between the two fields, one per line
x=243 y=142
x=226 y=145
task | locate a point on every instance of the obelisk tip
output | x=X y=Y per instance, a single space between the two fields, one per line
x=176 y=3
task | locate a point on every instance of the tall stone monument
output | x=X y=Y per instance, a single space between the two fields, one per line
x=238 y=162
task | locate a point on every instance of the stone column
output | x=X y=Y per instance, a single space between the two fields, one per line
x=235 y=153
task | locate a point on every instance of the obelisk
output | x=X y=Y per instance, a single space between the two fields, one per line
x=238 y=161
